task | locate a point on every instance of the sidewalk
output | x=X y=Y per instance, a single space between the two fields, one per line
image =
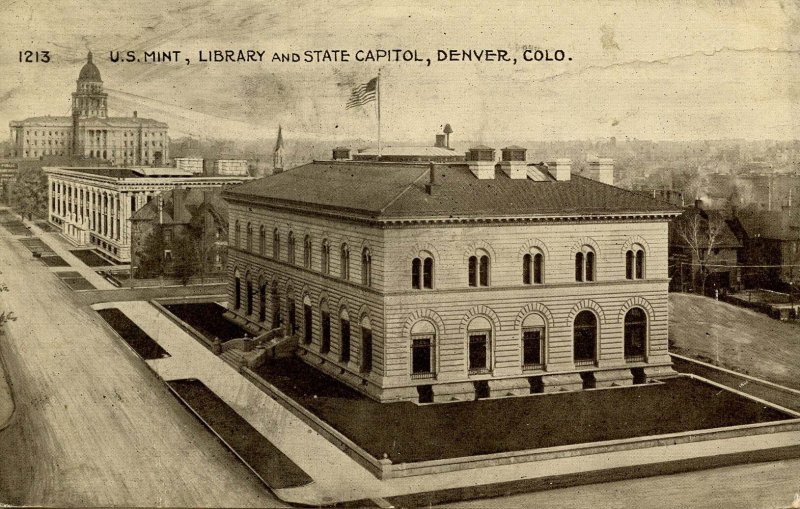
x=60 y=247
x=337 y=478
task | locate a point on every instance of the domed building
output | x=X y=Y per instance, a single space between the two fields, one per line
x=89 y=133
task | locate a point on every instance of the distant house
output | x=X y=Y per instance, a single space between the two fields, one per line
x=771 y=247
x=702 y=242
x=200 y=214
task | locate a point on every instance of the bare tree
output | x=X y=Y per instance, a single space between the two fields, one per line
x=701 y=235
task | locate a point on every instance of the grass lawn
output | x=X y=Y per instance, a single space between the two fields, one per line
x=749 y=342
x=407 y=432
x=54 y=261
x=207 y=319
x=277 y=470
x=90 y=258
x=144 y=345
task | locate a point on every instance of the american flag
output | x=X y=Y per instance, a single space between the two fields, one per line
x=363 y=93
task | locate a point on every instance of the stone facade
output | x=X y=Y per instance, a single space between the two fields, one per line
x=442 y=309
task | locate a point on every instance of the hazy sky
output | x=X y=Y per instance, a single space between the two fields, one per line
x=649 y=70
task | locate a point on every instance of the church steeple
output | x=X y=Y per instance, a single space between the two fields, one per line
x=278 y=152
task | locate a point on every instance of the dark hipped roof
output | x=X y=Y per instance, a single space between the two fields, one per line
x=383 y=190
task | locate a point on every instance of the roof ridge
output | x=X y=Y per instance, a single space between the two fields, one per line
x=401 y=193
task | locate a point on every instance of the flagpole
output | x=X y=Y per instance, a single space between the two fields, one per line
x=379 y=114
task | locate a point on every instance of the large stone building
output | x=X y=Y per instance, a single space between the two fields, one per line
x=457 y=280
x=89 y=132
x=93 y=206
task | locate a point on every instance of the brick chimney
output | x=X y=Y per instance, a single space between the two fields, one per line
x=481 y=162
x=601 y=169
x=513 y=161
x=179 y=212
x=440 y=141
x=560 y=169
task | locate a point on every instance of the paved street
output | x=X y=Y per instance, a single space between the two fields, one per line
x=93 y=426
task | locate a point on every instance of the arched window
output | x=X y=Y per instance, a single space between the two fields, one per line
x=366 y=344
x=290 y=248
x=345 y=262
x=276 y=244
x=585 y=264
x=479 y=336
x=325 y=322
x=585 y=339
x=344 y=331
x=275 y=297
x=262 y=302
x=478 y=269
x=629 y=262
x=236 y=230
x=308 y=323
x=307 y=252
x=366 y=267
x=249 y=296
x=262 y=240
x=325 y=259
x=533 y=269
x=423 y=341
x=533 y=341
x=527 y=262
x=237 y=290
x=249 y=237
x=635 y=335
x=291 y=312
x=422 y=271
x=640 y=264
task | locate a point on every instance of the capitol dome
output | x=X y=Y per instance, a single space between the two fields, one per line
x=89 y=72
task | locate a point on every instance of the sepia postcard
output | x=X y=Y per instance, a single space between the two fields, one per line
x=378 y=254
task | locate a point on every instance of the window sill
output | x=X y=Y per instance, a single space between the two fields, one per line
x=479 y=371
x=585 y=363
x=532 y=367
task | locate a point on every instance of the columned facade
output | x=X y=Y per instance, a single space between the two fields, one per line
x=93 y=206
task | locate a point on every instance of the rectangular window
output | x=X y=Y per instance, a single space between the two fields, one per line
x=421 y=356
x=345 y=353
x=532 y=347
x=478 y=358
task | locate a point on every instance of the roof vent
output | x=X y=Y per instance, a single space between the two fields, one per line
x=560 y=169
x=481 y=161
x=341 y=153
x=514 y=163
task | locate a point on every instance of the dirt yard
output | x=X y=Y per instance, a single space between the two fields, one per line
x=749 y=342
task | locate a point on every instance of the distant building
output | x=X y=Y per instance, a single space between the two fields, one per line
x=454 y=281
x=690 y=243
x=231 y=167
x=198 y=213
x=194 y=165
x=771 y=247
x=93 y=206
x=89 y=132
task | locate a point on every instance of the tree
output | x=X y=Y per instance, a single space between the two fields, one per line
x=29 y=194
x=186 y=256
x=151 y=255
x=701 y=233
